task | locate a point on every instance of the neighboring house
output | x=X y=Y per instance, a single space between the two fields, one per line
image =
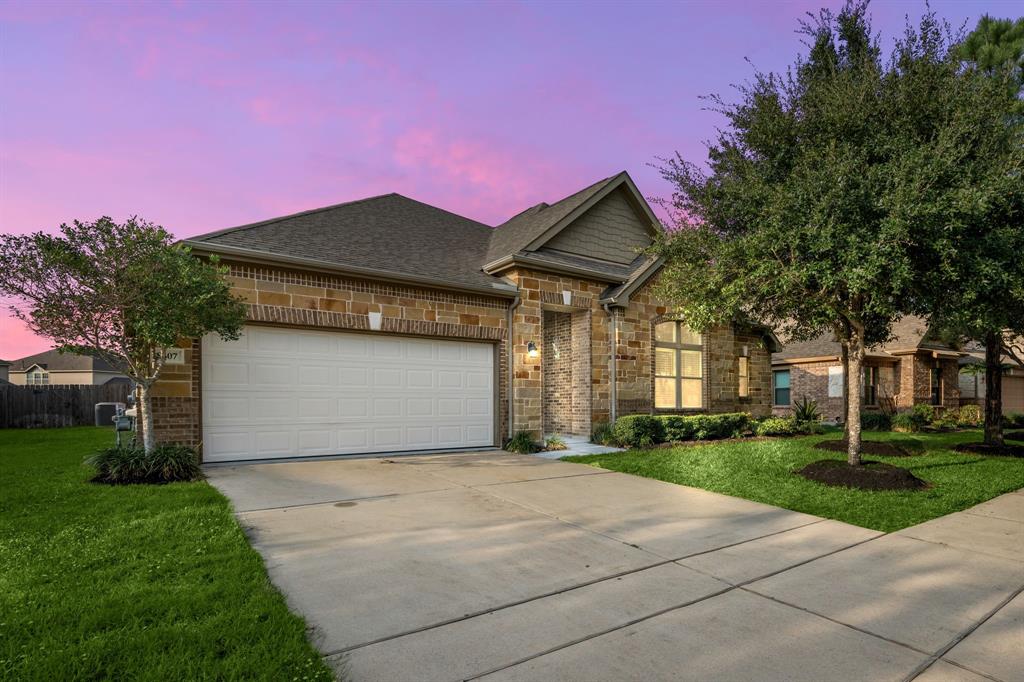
x=972 y=380
x=387 y=325
x=4 y=372
x=53 y=368
x=911 y=369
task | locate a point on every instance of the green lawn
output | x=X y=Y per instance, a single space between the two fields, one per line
x=761 y=470
x=130 y=582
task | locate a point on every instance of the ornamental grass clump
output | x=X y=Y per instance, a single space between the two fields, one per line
x=123 y=464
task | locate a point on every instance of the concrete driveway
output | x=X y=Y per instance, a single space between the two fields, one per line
x=508 y=567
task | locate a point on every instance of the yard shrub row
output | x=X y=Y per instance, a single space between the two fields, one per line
x=645 y=430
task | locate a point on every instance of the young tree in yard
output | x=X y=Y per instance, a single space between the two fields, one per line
x=824 y=193
x=122 y=292
x=981 y=295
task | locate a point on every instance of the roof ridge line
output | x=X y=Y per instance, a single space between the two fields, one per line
x=270 y=221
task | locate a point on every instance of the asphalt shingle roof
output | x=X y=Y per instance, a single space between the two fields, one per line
x=908 y=332
x=389 y=233
x=56 y=361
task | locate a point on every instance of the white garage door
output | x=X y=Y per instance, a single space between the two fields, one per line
x=294 y=393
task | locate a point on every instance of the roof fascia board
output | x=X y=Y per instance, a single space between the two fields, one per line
x=507 y=262
x=648 y=271
x=501 y=290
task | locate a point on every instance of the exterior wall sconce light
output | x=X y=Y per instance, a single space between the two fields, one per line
x=375 y=321
x=531 y=350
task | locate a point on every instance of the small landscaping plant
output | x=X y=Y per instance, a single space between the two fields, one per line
x=1014 y=420
x=522 y=443
x=603 y=434
x=639 y=430
x=124 y=464
x=905 y=422
x=777 y=426
x=969 y=416
x=555 y=443
x=876 y=421
x=806 y=411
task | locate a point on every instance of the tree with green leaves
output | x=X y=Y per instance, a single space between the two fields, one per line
x=821 y=199
x=980 y=295
x=122 y=292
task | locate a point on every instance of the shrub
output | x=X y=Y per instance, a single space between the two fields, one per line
x=603 y=434
x=716 y=426
x=1013 y=420
x=522 y=443
x=875 y=421
x=555 y=443
x=131 y=464
x=906 y=422
x=806 y=410
x=923 y=414
x=777 y=426
x=639 y=431
x=969 y=415
x=948 y=419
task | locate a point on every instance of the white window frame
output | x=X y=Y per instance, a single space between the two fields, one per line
x=37 y=377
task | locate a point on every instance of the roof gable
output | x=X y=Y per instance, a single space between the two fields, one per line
x=610 y=230
x=540 y=225
x=55 y=361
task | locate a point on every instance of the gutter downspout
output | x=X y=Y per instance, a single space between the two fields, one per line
x=511 y=362
x=613 y=343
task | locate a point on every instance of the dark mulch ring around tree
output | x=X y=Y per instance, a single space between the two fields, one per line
x=868 y=476
x=1014 y=435
x=904 y=447
x=1007 y=450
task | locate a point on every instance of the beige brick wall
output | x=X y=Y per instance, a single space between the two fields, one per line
x=282 y=297
x=294 y=298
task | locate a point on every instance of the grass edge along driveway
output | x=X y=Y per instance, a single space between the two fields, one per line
x=761 y=470
x=130 y=582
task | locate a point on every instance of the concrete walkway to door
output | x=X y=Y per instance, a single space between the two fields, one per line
x=508 y=567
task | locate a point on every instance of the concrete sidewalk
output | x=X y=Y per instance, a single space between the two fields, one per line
x=511 y=567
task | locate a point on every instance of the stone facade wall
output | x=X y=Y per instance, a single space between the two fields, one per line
x=540 y=291
x=319 y=301
x=284 y=297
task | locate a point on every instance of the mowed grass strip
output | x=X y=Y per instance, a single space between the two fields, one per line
x=762 y=470
x=130 y=582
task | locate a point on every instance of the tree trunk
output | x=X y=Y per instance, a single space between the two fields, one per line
x=855 y=361
x=993 y=390
x=146 y=418
x=846 y=395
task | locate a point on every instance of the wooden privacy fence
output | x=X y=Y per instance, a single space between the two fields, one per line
x=30 y=407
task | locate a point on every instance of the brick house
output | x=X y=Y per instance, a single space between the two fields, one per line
x=912 y=368
x=387 y=325
x=972 y=380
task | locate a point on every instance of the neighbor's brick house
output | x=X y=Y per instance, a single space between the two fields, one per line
x=910 y=369
x=388 y=325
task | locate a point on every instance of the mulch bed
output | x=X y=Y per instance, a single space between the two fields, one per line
x=872 y=447
x=868 y=476
x=1014 y=435
x=1008 y=449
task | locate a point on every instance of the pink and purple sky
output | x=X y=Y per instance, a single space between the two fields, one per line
x=200 y=116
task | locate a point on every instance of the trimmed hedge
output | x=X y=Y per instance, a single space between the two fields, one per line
x=645 y=430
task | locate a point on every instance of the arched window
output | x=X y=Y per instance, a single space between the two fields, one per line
x=678 y=367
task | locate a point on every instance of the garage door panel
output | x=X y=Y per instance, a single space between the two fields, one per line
x=285 y=393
